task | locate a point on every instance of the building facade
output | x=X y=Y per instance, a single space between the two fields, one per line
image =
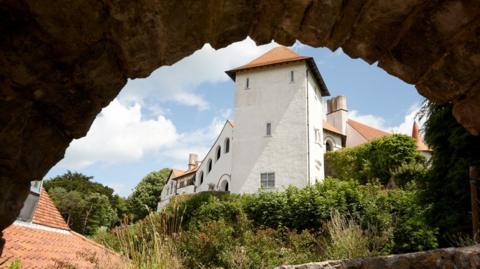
x=280 y=131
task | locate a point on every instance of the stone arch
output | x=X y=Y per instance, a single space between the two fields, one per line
x=223 y=183
x=329 y=143
x=86 y=50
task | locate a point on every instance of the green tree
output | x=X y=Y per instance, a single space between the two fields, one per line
x=447 y=184
x=74 y=193
x=147 y=193
x=386 y=159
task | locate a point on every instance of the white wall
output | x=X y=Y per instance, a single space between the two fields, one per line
x=270 y=98
x=354 y=138
x=221 y=168
x=334 y=138
x=315 y=122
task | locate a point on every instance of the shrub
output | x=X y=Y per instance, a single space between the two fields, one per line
x=377 y=159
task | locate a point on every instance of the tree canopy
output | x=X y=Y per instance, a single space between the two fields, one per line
x=447 y=182
x=146 y=195
x=85 y=205
x=382 y=159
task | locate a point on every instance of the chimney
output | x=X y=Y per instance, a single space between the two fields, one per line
x=192 y=161
x=337 y=113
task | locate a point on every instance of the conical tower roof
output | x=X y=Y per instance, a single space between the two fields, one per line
x=421 y=146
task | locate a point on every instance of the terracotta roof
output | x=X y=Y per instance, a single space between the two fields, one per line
x=274 y=56
x=327 y=126
x=280 y=55
x=48 y=242
x=38 y=248
x=46 y=213
x=177 y=172
x=369 y=133
x=185 y=173
x=421 y=146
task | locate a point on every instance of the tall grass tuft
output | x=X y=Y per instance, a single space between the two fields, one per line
x=346 y=239
x=148 y=243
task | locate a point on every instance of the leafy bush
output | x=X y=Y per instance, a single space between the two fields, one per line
x=377 y=159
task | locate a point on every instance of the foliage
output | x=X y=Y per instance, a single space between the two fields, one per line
x=16 y=264
x=84 y=213
x=447 y=184
x=146 y=243
x=346 y=239
x=85 y=205
x=147 y=193
x=378 y=159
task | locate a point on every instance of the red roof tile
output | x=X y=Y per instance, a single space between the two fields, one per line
x=48 y=242
x=368 y=132
x=48 y=248
x=47 y=213
x=327 y=126
x=280 y=55
x=274 y=56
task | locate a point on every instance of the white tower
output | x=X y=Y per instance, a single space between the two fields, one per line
x=278 y=134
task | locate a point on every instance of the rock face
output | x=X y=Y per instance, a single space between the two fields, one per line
x=62 y=62
x=458 y=258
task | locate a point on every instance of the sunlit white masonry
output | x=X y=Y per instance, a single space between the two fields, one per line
x=279 y=134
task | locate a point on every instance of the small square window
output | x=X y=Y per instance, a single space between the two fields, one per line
x=267 y=180
x=269 y=129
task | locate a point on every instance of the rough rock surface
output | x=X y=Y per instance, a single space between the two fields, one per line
x=458 y=258
x=62 y=62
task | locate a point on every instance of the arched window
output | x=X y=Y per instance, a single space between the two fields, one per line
x=329 y=145
x=209 y=166
x=201 y=177
x=227 y=145
x=219 y=153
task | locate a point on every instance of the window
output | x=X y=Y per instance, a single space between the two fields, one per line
x=292 y=76
x=227 y=145
x=329 y=145
x=219 y=153
x=267 y=180
x=269 y=129
x=318 y=136
x=247 y=84
x=209 y=166
x=201 y=177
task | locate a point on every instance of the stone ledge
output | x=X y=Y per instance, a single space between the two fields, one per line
x=466 y=257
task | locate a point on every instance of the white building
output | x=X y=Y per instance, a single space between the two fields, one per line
x=279 y=135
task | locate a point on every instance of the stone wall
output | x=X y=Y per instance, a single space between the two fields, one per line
x=448 y=258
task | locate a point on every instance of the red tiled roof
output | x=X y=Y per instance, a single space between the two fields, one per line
x=368 y=132
x=39 y=248
x=327 y=126
x=48 y=242
x=280 y=55
x=177 y=172
x=47 y=213
x=274 y=56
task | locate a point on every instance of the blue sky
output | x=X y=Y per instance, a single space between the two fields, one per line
x=155 y=122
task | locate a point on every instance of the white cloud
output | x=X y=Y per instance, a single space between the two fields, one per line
x=198 y=141
x=379 y=122
x=119 y=134
x=180 y=81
